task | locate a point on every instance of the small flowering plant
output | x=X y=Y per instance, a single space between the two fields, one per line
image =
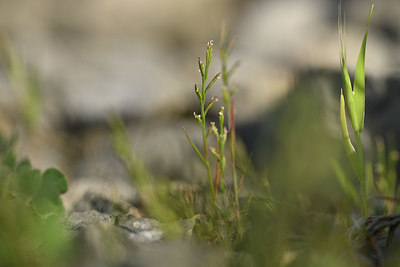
x=201 y=118
x=228 y=91
x=222 y=135
x=226 y=207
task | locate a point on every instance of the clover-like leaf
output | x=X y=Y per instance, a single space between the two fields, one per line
x=27 y=179
x=54 y=183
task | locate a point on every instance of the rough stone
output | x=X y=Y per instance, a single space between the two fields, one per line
x=78 y=221
x=108 y=197
x=140 y=229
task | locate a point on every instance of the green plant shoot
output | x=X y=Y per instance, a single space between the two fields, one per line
x=221 y=136
x=354 y=99
x=201 y=118
x=228 y=91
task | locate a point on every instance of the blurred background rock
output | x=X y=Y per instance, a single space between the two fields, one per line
x=138 y=58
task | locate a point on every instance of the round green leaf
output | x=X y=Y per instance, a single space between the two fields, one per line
x=27 y=180
x=54 y=183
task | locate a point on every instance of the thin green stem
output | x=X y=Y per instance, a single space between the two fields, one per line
x=233 y=152
x=362 y=174
x=222 y=164
x=203 y=123
x=206 y=158
x=194 y=147
x=231 y=120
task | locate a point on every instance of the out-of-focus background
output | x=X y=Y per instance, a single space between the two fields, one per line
x=89 y=59
x=67 y=67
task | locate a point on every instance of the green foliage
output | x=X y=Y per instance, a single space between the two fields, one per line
x=227 y=94
x=216 y=218
x=346 y=184
x=355 y=99
x=41 y=191
x=31 y=207
x=122 y=147
x=226 y=207
x=355 y=102
x=221 y=134
x=30 y=210
x=53 y=184
x=295 y=224
x=385 y=179
x=201 y=118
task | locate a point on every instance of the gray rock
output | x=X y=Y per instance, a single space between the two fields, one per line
x=79 y=221
x=108 y=197
x=125 y=240
x=137 y=229
x=140 y=229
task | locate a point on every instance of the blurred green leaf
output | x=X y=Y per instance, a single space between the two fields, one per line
x=27 y=179
x=54 y=183
x=348 y=91
x=348 y=187
x=9 y=160
x=350 y=151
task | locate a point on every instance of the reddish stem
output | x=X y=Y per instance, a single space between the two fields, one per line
x=217 y=173
x=232 y=122
x=216 y=180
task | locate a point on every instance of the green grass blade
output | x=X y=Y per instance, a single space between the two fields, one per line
x=359 y=80
x=347 y=186
x=195 y=148
x=350 y=151
x=348 y=91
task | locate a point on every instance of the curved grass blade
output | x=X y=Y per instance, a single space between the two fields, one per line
x=359 y=80
x=346 y=184
x=350 y=151
x=348 y=91
x=194 y=147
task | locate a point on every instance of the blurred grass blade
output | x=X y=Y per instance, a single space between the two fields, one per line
x=351 y=105
x=26 y=84
x=123 y=149
x=359 y=80
x=346 y=184
x=350 y=151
